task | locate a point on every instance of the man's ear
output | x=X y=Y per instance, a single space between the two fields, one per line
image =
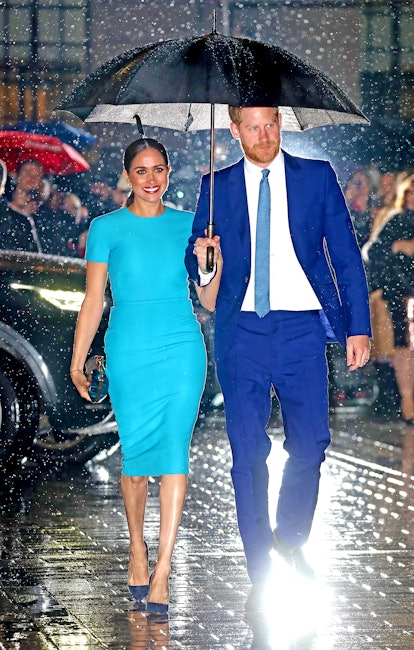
x=280 y=119
x=234 y=130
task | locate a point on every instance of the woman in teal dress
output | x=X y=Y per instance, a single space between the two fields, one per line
x=155 y=355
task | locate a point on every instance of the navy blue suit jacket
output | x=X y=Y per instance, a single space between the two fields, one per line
x=323 y=238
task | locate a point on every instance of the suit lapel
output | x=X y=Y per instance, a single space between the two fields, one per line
x=294 y=193
x=238 y=212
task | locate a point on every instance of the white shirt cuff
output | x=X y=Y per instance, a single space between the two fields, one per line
x=206 y=278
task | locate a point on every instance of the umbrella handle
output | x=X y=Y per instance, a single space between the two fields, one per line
x=210 y=249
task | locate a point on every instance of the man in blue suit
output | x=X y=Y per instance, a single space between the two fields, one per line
x=315 y=291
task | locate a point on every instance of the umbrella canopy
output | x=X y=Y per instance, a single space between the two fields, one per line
x=168 y=84
x=55 y=156
x=211 y=69
x=72 y=135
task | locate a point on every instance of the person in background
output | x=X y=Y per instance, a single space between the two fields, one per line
x=358 y=195
x=72 y=223
x=383 y=348
x=28 y=187
x=17 y=224
x=46 y=226
x=388 y=206
x=77 y=214
x=155 y=355
x=277 y=302
x=3 y=181
x=55 y=199
x=60 y=221
x=391 y=266
x=29 y=177
x=386 y=187
x=99 y=200
x=121 y=191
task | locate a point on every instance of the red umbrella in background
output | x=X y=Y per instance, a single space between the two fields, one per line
x=69 y=134
x=56 y=157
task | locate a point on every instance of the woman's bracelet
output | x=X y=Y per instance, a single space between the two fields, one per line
x=72 y=371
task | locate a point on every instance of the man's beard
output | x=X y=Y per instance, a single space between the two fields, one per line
x=258 y=155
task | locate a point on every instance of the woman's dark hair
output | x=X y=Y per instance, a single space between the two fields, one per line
x=134 y=149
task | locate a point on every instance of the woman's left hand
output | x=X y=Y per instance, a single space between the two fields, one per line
x=82 y=383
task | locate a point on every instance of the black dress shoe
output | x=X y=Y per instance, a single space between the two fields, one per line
x=255 y=603
x=294 y=557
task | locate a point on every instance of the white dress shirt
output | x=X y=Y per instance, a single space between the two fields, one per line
x=289 y=287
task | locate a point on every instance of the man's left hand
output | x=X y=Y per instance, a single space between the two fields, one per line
x=357 y=351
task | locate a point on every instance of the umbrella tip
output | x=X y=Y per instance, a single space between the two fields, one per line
x=139 y=125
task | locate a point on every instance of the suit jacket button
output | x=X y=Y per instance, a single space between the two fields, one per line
x=246 y=279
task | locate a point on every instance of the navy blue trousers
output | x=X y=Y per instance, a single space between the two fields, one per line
x=287 y=351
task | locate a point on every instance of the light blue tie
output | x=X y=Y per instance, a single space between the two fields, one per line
x=262 y=264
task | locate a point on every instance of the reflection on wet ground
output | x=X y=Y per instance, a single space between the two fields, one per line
x=64 y=540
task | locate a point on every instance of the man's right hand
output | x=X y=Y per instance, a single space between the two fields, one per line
x=200 y=251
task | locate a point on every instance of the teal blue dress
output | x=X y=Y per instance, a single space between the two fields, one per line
x=155 y=353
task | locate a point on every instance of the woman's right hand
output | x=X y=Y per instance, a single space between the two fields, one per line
x=82 y=383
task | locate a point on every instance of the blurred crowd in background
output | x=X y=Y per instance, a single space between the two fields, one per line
x=61 y=208
x=40 y=214
x=51 y=215
x=382 y=209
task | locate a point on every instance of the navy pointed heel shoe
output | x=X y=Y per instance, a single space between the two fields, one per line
x=139 y=592
x=158 y=611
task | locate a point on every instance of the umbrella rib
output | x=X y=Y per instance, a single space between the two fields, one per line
x=189 y=120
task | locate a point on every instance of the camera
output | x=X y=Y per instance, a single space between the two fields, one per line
x=34 y=195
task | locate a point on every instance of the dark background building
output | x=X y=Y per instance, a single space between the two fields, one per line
x=47 y=46
x=366 y=46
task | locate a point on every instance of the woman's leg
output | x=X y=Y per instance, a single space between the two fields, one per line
x=404 y=374
x=134 y=491
x=173 y=489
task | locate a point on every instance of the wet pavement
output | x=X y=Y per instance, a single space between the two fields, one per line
x=64 y=553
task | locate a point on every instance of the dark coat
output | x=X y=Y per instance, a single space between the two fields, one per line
x=393 y=273
x=15 y=230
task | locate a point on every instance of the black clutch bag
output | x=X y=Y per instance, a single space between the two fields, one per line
x=95 y=371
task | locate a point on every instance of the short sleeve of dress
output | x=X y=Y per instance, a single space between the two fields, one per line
x=97 y=243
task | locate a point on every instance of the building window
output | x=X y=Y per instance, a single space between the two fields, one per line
x=387 y=79
x=372 y=41
x=45 y=45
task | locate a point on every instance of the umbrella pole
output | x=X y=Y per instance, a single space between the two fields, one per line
x=210 y=223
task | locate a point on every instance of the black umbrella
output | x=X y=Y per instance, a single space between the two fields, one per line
x=188 y=83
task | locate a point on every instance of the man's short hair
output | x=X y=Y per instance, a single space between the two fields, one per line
x=29 y=161
x=235 y=113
